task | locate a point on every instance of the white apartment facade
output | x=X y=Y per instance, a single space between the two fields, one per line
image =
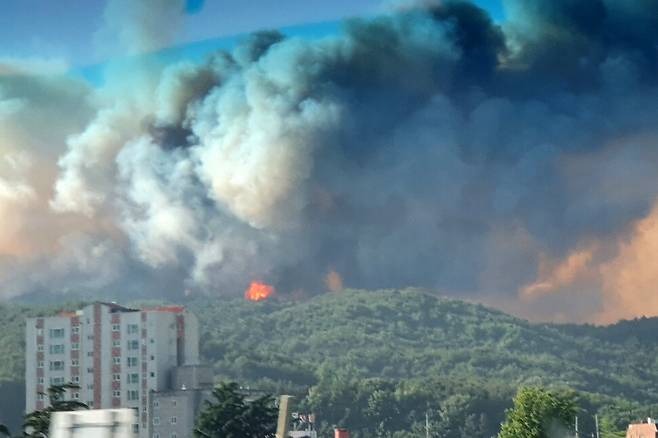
x=116 y=355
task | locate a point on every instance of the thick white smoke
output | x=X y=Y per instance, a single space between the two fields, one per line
x=429 y=147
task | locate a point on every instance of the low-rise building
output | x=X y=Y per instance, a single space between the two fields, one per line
x=642 y=430
x=174 y=411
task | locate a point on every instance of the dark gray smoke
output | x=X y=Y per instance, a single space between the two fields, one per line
x=428 y=147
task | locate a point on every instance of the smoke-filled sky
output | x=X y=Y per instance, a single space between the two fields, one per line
x=511 y=162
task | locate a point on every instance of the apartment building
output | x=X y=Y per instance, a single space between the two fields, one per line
x=116 y=355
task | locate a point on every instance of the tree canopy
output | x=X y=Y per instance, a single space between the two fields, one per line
x=539 y=413
x=230 y=415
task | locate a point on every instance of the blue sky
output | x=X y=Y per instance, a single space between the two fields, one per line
x=65 y=29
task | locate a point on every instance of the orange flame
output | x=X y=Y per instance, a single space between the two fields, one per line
x=333 y=281
x=258 y=291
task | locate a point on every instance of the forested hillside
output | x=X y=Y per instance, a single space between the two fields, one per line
x=378 y=361
x=403 y=334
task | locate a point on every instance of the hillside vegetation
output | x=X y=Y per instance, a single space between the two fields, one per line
x=403 y=334
x=378 y=361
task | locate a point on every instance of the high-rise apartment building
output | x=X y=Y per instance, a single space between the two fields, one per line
x=115 y=354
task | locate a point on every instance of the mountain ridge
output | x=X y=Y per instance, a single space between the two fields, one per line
x=356 y=341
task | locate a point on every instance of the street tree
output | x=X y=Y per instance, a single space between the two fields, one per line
x=230 y=415
x=540 y=413
x=37 y=423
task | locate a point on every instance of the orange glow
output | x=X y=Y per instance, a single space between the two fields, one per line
x=258 y=291
x=554 y=276
x=333 y=281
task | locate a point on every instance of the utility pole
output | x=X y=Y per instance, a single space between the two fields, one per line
x=427 y=425
x=576 y=425
x=596 y=423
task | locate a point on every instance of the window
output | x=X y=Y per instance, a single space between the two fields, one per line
x=90 y=387
x=116 y=343
x=39 y=396
x=56 y=365
x=152 y=341
x=90 y=370
x=116 y=360
x=57 y=380
x=90 y=353
x=40 y=347
x=132 y=361
x=133 y=378
x=40 y=380
x=116 y=377
x=40 y=364
x=75 y=346
x=90 y=404
x=152 y=357
x=152 y=374
x=75 y=363
x=156 y=404
x=76 y=395
x=116 y=393
x=173 y=435
x=75 y=330
x=57 y=333
x=90 y=337
x=56 y=349
x=173 y=420
x=39 y=332
x=156 y=435
x=132 y=329
x=116 y=327
x=133 y=394
x=156 y=421
x=76 y=379
x=174 y=403
x=133 y=345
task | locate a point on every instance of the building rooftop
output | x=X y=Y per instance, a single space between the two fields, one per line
x=114 y=307
x=642 y=430
x=171 y=309
x=117 y=308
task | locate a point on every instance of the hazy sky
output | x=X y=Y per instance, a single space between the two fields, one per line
x=65 y=29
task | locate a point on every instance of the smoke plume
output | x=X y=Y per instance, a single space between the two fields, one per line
x=513 y=163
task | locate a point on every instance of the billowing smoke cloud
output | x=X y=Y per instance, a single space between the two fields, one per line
x=431 y=147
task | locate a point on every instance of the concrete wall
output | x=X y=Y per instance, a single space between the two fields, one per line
x=184 y=406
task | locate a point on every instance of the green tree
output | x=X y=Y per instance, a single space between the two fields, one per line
x=37 y=423
x=539 y=413
x=4 y=430
x=231 y=416
x=610 y=430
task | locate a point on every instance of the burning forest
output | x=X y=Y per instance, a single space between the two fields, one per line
x=259 y=291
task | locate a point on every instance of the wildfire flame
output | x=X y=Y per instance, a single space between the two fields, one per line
x=258 y=291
